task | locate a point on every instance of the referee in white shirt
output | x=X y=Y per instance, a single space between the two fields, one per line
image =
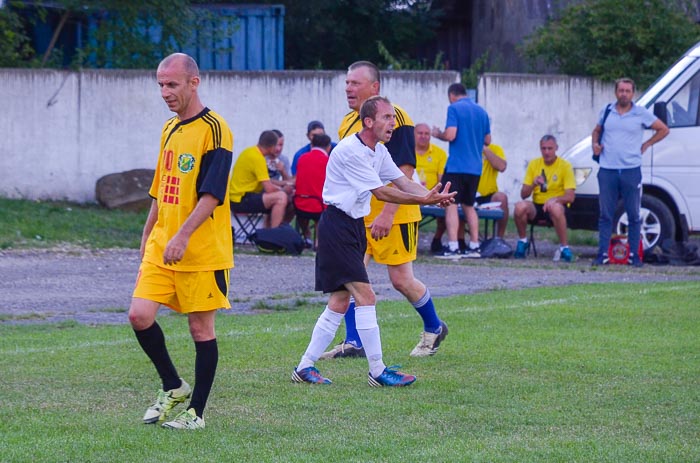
x=359 y=166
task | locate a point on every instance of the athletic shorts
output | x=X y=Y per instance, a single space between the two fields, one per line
x=483 y=199
x=399 y=247
x=540 y=214
x=250 y=203
x=183 y=292
x=464 y=184
x=341 y=251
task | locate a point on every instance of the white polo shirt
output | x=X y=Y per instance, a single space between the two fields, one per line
x=353 y=171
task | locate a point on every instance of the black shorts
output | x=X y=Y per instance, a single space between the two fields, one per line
x=250 y=203
x=540 y=214
x=464 y=184
x=341 y=251
x=483 y=199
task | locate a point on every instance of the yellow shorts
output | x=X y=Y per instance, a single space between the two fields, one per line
x=183 y=292
x=399 y=247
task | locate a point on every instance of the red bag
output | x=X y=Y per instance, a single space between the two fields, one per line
x=619 y=250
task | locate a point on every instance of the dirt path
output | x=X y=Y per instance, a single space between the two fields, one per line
x=95 y=286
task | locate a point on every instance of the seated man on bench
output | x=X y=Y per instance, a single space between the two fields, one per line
x=251 y=190
x=550 y=180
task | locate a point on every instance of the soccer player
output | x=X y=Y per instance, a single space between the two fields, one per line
x=186 y=246
x=358 y=169
x=392 y=231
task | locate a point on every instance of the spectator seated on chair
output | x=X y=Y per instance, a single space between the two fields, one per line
x=550 y=180
x=251 y=190
x=311 y=174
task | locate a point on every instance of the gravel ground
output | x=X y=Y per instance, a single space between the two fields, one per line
x=93 y=287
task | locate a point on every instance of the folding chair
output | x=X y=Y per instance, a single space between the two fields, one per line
x=247 y=224
x=531 y=242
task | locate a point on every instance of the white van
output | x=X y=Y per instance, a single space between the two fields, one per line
x=670 y=168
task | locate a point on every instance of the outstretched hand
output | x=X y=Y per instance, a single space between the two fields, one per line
x=440 y=198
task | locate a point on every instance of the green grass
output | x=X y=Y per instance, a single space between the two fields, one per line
x=32 y=224
x=595 y=373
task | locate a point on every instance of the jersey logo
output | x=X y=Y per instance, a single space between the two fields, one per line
x=185 y=162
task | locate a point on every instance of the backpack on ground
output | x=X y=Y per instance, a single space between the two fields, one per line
x=279 y=240
x=496 y=247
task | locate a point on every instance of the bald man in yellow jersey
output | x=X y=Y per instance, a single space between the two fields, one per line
x=186 y=246
x=392 y=230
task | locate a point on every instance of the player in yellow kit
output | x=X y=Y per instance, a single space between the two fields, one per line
x=186 y=246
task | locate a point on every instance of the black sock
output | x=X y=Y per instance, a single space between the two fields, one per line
x=205 y=362
x=152 y=342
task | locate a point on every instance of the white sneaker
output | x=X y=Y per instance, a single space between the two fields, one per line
x=429 y=342
x=186 y=419
x=166 y=401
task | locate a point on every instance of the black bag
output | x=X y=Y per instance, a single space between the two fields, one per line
x=280 y=240
x=496 y=247
x=602 y=129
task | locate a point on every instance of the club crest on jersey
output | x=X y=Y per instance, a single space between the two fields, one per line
x=185 y=163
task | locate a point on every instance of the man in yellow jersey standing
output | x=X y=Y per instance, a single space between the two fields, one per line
x=186 y=247
x=392 y=230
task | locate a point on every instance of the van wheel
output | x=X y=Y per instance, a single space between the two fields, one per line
x=657 y=222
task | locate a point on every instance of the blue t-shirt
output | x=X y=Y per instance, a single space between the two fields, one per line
x=473 y=125
x=622 y=137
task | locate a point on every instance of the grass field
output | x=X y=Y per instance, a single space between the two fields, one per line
x=598 y=373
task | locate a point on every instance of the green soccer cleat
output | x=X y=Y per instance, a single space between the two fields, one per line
x=165 y=402
x=186 y=419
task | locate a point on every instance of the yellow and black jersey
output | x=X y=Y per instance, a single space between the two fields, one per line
x=195 y=159
x=402 y=148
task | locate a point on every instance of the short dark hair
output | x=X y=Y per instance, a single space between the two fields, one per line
x=278 y=133
x=369 y=107
x=373 y=69
x=268 y=138
x=456 y=89
x=314 y=125
x=624 y=80
x=320 y=140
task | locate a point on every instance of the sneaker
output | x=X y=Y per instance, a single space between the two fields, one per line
x=166 y=401
x=429 y=342
x=635 y=261
x=445 y=253
x=309 y=375
x=472 y=253
x=520 y=250
x=602 y=259
x=391 y=378
x=186 y=419
x=343 y=350
x=566 y=255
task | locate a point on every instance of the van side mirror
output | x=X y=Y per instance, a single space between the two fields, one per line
x=661 y=112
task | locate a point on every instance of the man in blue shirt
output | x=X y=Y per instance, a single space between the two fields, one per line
x=468 y=130
x=620 y=155
x=313 y=128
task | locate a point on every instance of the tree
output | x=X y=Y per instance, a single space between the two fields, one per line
x=15 y=47
x=608 y=39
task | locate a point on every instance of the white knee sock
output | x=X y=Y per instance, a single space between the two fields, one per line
x=321 y=337
x=366 y=321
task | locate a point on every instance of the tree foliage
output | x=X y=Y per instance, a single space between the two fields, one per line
x=608 y=39
x=15 y=46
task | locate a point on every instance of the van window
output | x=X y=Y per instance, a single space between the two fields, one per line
x=683 y=107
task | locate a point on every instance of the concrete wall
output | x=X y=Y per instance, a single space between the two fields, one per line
x=524 y=107
x=63 y=130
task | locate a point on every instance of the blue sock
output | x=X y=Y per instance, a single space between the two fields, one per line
x=426 y=309
x=351 y=334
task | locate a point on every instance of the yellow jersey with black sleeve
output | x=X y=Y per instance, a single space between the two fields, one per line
x=195 y=159
x=402 y=148
x=487 y=181
x=560 y=177
x=248 y=173
x=431 y=165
